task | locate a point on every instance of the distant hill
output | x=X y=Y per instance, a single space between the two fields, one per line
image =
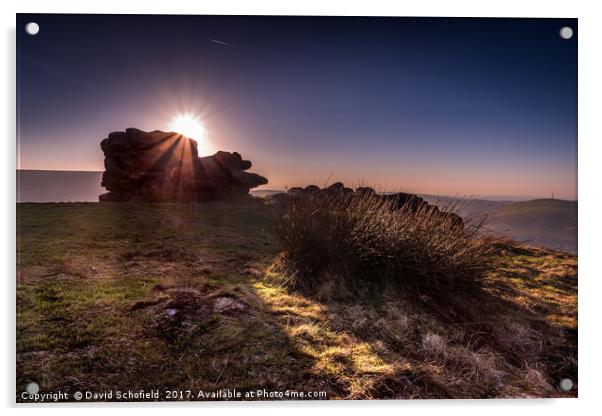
x=548 y=223
x=58 y=186
x=466 y=207
x=542 y=222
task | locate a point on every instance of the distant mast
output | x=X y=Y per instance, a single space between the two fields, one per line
x=552 y=194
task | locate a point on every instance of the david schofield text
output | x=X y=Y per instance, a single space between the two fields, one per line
x=128 y=395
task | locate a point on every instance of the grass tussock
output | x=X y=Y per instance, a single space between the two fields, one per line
x=364 y=239
x=454 y=313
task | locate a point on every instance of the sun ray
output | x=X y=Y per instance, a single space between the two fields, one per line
x=189 y=125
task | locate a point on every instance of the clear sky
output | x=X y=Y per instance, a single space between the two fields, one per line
x=481 y=107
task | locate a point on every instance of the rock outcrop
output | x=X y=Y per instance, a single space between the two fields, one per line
x=165 y=166
x=397 y=200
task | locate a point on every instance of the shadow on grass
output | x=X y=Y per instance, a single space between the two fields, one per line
x=480 y=346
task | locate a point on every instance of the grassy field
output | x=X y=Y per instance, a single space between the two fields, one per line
x=132 y=296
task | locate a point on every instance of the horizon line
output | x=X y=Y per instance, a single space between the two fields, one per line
x=498 y=198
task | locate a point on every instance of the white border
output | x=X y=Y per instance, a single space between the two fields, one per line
x=590 y=232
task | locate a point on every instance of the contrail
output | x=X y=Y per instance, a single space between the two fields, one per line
x=220 y=42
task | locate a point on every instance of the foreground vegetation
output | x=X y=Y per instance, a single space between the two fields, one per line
x=195 y=297
x=366 y=239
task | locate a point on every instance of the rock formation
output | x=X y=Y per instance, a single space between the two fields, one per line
x=165 y=166
x=398 y=200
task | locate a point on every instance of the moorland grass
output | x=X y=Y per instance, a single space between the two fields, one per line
x=364 y=238
x=96 y=281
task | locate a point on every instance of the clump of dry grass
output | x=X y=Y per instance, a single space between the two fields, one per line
x=364 y=239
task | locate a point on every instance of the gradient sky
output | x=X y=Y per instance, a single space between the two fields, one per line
x=481 y=107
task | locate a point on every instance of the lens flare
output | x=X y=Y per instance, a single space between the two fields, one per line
x=189 y=125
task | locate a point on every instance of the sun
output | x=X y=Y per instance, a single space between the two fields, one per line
x=189 y=125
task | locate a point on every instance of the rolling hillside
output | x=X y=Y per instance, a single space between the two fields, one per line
x=541 y=222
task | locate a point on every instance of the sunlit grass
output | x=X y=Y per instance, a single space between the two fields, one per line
x=95 y=279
